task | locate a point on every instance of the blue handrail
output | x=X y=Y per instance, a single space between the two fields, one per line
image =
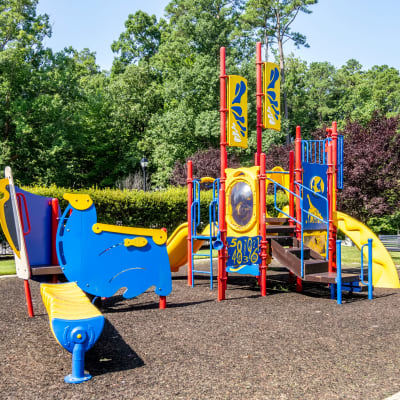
x=302 y=189
x=369 y=283
x=338 y=272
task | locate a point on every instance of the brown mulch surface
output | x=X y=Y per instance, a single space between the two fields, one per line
x=284 y=346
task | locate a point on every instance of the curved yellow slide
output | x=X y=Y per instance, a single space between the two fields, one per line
x=384 y=273
x=177 y=246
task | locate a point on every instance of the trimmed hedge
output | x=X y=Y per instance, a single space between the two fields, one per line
x=162 y=209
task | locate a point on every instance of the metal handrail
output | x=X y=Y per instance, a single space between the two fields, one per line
x=302 y=188
x=369 y=283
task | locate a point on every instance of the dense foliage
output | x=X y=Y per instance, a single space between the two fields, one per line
x=64 y=121
x=371 y=171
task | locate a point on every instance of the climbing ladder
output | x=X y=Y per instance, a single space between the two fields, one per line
x=213 y=224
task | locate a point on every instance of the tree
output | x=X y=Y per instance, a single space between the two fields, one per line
x=206 y=163
x=371 y=174
x=272 y=19
x=21 y=54
x=140 y=40
x=188 y=61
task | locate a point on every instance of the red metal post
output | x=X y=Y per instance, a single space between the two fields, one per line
x=331 y=242
x=334 y=187
x=189 y=220
x=264 y=243
x=291 y=186
x=28 y=298
x=54 y=225
x=163 y=302
x=298 y=179
x=223 y=110
x=259 y=94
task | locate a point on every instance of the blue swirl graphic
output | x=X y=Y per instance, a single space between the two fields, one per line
x=271 y=93
x=237 y=111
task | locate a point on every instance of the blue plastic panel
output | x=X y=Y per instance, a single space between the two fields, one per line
x=315 y=186
x=243 y=250
x=38 y=241
x=101 y=264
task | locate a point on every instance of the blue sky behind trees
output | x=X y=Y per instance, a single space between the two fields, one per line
x=337 y=30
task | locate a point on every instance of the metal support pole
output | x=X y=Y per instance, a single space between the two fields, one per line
x=264 y=243
x=339 y=271
x=330 y=208
x=298 y=179
x=189 y=220
x=259 y=94
x=223 y=110
x=370 y=288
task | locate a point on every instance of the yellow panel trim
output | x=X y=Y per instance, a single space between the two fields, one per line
x=136 y=242
x=79 y=201
x=6 y=196
x=249 y=176
x=159 y=236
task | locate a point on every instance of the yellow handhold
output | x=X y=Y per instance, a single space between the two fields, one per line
x=136 y=242
x=79 y=201
x=158 y=235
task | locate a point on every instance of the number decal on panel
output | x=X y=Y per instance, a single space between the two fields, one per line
x=243 y=250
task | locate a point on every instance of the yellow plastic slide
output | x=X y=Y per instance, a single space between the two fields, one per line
x=384 y=273
x=177 y=246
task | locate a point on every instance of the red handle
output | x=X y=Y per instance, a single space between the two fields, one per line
x=20 y=197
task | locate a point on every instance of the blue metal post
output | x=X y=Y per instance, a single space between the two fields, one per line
x=370 y=288
x=339 y=270
x=333 y=287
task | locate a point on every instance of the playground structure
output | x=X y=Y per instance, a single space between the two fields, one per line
x=303 y=238
x=101 y=259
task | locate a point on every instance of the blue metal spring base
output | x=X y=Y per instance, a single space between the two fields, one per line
x=78 y=366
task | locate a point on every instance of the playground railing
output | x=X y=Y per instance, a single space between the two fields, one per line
x=339 y=284
x=302 y=190
x=315 y=152
x=369 y=283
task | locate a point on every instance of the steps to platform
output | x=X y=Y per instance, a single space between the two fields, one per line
x=280 y=229
x=287 y=250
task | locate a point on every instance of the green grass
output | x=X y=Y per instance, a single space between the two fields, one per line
x=206 y=253
x=351 y=256
x=7 y=267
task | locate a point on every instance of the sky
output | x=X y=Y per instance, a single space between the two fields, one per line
x=337 y=30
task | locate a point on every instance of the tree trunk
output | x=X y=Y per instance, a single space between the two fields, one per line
x=266 y=40
x=279 y=36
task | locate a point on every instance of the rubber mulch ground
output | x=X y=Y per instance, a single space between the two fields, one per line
x=284 y=346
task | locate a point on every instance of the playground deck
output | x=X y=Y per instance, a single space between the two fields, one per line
x=284 y=346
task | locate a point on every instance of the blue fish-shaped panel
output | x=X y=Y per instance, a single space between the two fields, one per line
x=103 y=262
